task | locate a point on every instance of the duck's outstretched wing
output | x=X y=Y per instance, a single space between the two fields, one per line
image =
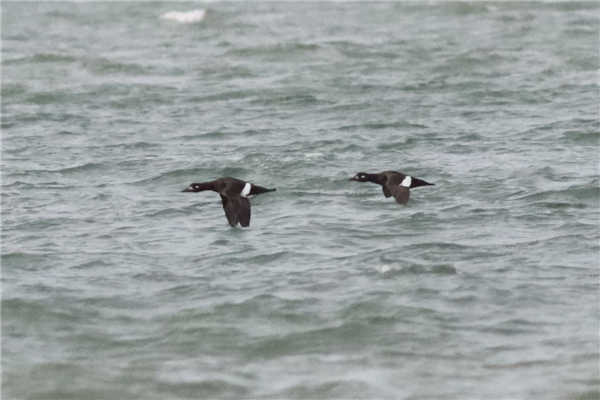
x=400 y=193
x=237 y=210
x=243 y=210
x=386 y=191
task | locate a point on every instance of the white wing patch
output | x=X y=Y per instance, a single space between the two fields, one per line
x=406 y=182
x=246 y=189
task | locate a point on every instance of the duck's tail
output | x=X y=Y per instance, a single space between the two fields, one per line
x=259 y=190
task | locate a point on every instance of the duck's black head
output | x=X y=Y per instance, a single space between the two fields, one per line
x=194 y=187
x=360 y=177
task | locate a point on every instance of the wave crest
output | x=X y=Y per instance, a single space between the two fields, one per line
x=185 y=17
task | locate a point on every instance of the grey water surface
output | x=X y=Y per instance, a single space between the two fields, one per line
x=115 y=285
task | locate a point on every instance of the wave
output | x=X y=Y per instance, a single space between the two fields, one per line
x=88 y=167
x=43 y=58
x=19 y=309
x=291 y=97
x=381 y=125
x=573 y=196
x=276 y=51
x=185 y=17
x=22 y=260
x=104 y=66
x=387 y=269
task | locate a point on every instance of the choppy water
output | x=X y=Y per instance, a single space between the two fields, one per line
x=116 y=285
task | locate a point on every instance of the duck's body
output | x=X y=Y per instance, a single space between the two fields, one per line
x=393 y=183
x=234 y=196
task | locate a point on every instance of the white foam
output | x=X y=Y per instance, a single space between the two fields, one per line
x=187 y=17
x=312 y=155
x=406 y=182
x=382 y=269
x=246 y=189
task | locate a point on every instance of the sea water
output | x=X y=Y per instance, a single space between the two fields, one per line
x=115 y=285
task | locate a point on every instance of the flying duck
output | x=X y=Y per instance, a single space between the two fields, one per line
x=234 y=196
x=394 y=183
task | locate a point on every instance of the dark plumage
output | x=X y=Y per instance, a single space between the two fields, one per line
x=394 y=183
x=234 y=196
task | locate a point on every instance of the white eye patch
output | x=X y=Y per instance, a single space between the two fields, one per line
x=406 y=182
